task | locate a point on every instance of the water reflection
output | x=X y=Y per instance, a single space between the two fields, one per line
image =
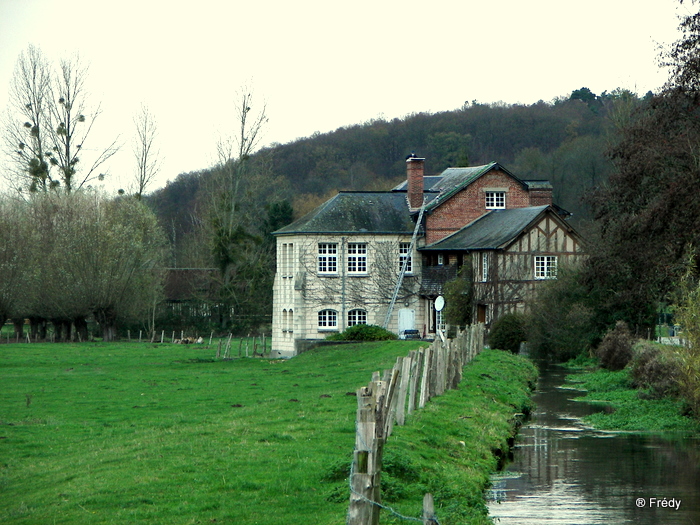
x=565 y=473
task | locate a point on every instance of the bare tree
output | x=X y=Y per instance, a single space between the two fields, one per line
x=72 y=126
x=233 y=154
x=235 y=208
x=27 y=126
x=48 y=124
x=146 y=153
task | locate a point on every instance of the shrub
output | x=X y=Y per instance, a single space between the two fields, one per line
x=459 y=296
x=615 y=350
x=656 y=369
x=560 y=324
x=508 y=332
x=363 y=332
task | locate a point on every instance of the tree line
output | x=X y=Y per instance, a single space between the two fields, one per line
x=642 y=263
x=69 y=254
x=221 y=218
x=69 y=257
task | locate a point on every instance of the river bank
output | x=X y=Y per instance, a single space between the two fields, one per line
x=451 y=447
x=627 y=408
x=566 y=472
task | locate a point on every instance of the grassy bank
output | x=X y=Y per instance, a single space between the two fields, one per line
x=452 y=446
x=627 y=408
x=136 y=433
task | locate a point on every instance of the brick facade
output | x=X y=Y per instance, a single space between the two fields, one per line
x=470 y=203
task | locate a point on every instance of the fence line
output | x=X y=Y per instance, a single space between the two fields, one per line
x=410 y=384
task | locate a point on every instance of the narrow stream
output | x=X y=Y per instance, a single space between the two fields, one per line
x=564 y=473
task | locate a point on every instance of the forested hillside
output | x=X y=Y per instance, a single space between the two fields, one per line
x=563 y=141
x=222 y=217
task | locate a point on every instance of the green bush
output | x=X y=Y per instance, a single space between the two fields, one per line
x=656 y=369
x=508 y=332
x=560 y=323
x=615 y=350
x=459 y=296
x=363 y=332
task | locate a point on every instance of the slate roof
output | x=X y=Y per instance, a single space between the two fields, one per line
x=434 y=277
x=357 y=212
x=492 y=231
x=428 y=182
x=438 y=189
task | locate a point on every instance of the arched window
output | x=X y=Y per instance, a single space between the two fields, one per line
x=290 y=321
x=284 y=320
x=357 y=316
x=327 y=319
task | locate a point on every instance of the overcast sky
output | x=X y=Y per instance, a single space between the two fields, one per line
x=320 y=64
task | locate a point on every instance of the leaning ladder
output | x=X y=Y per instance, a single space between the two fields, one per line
x=399 y=282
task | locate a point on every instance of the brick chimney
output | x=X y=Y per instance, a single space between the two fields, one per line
x=414 y=174
x=540 y=192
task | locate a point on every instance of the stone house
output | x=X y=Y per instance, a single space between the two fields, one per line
x=339 y=265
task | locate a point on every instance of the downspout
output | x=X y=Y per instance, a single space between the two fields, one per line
x=342 y=283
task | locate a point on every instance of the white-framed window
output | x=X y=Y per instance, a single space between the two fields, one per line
x=484 y=267
x=440 y=259
x=357 y=316
x=327 y=320
x=357 y=257
x=289 y=266
x=327 y=257
x=405 y=255
x=286 y=260
x=495 y=200
x=545 y=266
x=287 y=320
x=440 y=320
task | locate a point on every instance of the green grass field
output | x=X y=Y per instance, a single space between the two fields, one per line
x=165 y=434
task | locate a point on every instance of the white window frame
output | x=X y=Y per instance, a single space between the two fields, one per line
x=327 y=319
x=495 y=200
x=327 y=258
x=289 y=262
x=357 y=316
x=545 y=266
x=440 y=320
x=440 y=259
x=484 y=267
x=404 y=253
x=357 y=258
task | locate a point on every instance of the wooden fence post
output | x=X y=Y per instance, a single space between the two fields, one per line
x=406 y=364
x=428 y=510
x=364 y=472
x=425 y=380
x=416 y=372
x=414 y=380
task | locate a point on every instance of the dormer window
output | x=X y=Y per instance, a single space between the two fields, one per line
x=495 y=200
